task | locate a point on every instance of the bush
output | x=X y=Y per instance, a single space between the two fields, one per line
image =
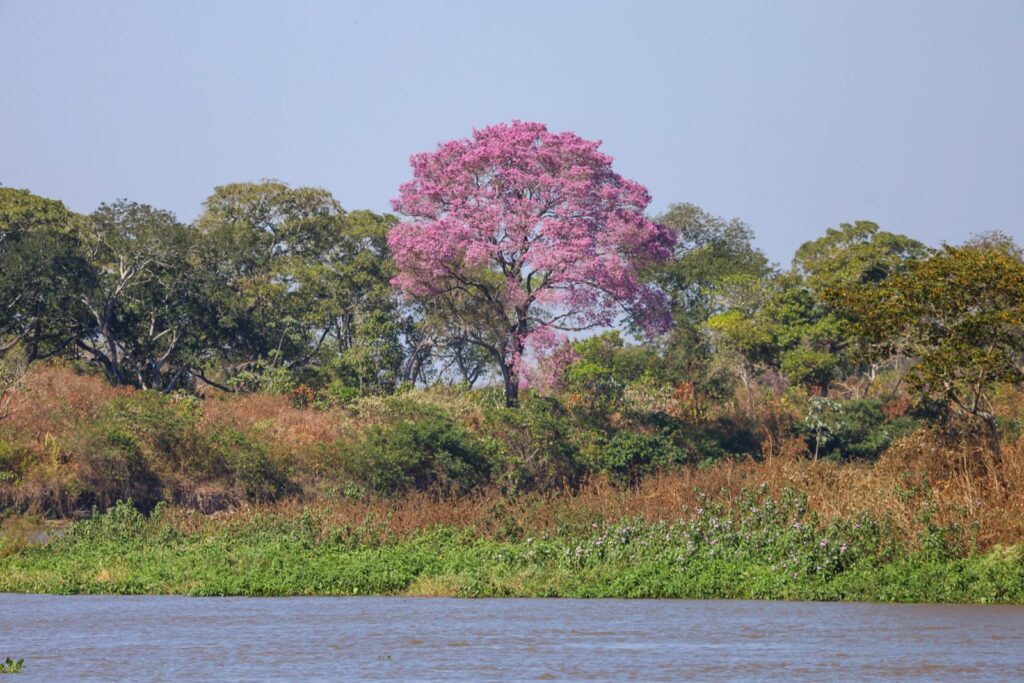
x=334 y=395
x=594 y=389
x=728 y=435
x=152 y=426
x=246 y=462
x=533 y=445
x=136 y=440
x=856 y=429
x=629 y=456
x=430 y=452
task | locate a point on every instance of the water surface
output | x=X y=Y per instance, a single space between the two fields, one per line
x=173 y=638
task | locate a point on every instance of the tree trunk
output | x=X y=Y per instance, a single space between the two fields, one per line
x=114 y=367
x=992 y=433
x=511 y=379
x=510 y=371
x=512 y=391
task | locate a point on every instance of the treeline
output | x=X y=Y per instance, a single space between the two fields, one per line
x=268 y=284
x=279 y=290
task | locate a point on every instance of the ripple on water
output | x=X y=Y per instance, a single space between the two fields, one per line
x=146 y=637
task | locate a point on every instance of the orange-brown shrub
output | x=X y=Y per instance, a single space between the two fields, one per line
x=51 y=441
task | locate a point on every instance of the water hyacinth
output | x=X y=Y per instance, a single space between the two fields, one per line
x=780 y=533
x=759 y=547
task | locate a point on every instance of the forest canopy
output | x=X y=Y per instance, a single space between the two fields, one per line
x=521 y=263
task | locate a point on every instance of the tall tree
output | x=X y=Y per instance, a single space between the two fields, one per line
x=855 y=253
x=143 y=321
x=959 y=315
x=851 y=255
x=518 y=234
x=42 y=272
x=297 y=283
x=708 y=251
x=257 y=239
x=348 y=300
x=711 y=255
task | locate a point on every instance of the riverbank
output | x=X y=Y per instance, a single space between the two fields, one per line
x=764 y=547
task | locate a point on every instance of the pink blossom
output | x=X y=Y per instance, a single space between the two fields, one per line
x=537 y=230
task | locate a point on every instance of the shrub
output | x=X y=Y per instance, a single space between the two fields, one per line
x=246 y=462
x=265 y=377
x=334 y=395
x=459 y=406
x=151 y=426
x=594 y=389
x=855 y=429
x=728 y=435
x=126 y=453
x=430 y=452
x=533 y=445
x=628 y=456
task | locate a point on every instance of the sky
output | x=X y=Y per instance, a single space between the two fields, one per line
x=792 y=116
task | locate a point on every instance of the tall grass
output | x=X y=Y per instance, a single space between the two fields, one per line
x=73 y=442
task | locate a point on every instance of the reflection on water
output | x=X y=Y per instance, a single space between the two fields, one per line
x=166 y=638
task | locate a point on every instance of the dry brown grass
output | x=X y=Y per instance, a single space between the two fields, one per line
x=277 y=418
x=962 y=484
x=894 y=488
x=54 y=399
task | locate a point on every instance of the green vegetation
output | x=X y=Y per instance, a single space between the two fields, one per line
x=764 y=548
x=259 y=362
x=11 y=666
x=279 y=290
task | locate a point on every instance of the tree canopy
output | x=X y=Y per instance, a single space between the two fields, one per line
x=517 y=234
x=958 y=314
x=521 y=259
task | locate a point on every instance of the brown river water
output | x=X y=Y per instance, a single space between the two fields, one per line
x=91 y=638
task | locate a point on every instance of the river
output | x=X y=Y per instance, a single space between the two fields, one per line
x=85 y=638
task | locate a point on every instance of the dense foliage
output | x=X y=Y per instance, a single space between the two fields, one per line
x=519 y=234
x=373 y=355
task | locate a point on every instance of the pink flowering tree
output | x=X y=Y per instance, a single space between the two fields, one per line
x=518 y=235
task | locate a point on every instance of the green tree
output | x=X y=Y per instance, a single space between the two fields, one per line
x=855 y=253
x=708 y=251
x=777 y=323
x=42 y=272
x=257 y=238
x=787 y=323
x=711 y=256
x=299 y=285
x=144 y=320
x=817 y=344
x=959 y=315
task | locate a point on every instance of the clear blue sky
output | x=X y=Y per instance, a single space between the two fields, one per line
x=793 y=116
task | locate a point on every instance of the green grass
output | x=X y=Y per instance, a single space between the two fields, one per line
x=773 y=549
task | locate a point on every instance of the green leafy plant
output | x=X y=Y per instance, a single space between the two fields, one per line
x=431 y=452
x=628 y=456
x=824 y=418
x=11 y=666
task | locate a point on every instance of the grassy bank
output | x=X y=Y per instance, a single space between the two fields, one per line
x=763 y=547
x=444 y=492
